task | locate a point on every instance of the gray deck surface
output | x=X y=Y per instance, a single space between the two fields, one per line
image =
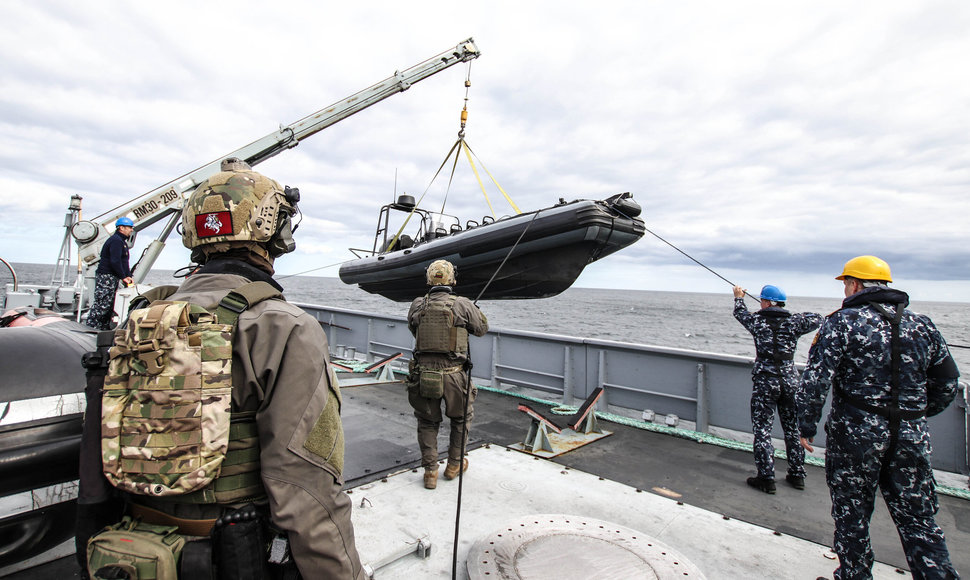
x=705 y=476
x=380 y=434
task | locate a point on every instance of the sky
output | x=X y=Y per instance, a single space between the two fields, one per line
x=770 y=141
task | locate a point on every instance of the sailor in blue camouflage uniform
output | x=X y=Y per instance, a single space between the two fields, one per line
x=775 y=331
x=888 y=369
x=112 y=268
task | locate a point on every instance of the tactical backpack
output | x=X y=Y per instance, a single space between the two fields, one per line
x=133 y=549
x=166 y=428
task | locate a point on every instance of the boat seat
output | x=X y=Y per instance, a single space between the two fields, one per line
x=487 y=220
x=471 y=224
x=403 y=242
x=440 y=232
x=455 y=228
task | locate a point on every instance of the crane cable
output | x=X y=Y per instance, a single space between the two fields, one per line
x=698 y=262
x=461 y=134
x=469 y=153
x=457 y=148
x=463 y=146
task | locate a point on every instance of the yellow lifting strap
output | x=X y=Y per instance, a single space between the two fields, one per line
x=461 y=145
x=416 y=205
x=468 y=154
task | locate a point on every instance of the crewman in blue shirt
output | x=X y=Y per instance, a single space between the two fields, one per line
x=112 y=268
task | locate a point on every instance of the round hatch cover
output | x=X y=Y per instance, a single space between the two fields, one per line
x=566 y=547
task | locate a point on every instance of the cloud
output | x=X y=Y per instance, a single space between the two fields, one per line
x=763 y=139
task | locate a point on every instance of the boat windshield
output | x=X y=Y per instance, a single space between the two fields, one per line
x=437 y=225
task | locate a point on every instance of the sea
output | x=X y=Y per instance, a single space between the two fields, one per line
x=688 y=320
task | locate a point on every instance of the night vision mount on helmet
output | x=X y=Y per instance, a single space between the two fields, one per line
x=239 y=207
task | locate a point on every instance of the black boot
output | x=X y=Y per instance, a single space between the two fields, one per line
x=795 y=481
x=764 y=484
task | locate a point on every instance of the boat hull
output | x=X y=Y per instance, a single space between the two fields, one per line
x=534 y=255
x=40 y=434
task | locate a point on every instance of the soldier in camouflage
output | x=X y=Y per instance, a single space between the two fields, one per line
x=440 y=371
x=775 y=331
x=888 y=369
x=236 y=223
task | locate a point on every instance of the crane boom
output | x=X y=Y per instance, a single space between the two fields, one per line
x=167 y=200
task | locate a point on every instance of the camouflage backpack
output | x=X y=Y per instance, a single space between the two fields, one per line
x=165 y=426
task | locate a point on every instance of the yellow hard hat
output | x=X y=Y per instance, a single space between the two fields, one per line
x=866 y=268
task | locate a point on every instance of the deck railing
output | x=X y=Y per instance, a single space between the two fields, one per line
x=702 y=389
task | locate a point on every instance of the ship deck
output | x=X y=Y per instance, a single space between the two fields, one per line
x=689 y=496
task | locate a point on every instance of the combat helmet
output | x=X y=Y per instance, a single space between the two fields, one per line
x=441 y=273
x=866 y=268
x=239 y=208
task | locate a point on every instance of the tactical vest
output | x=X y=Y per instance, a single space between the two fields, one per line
x=167 y=427
x=437 y=332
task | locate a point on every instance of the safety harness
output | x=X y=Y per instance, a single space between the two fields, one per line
x=774 y=322
x=891 y=412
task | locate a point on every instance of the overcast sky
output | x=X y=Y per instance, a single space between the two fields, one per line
x=771 y=141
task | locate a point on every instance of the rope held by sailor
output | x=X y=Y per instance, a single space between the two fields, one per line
x=461 y=467
x=697 y=262
x=505 y=259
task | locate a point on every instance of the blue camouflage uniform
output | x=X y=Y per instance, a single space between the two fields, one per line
x=877 y=433
x=775 y=332
x=112 y=268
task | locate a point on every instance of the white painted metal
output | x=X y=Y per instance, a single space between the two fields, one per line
x=502 y=485
x=568 y=547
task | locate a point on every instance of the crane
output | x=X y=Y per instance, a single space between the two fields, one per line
x=166 y=201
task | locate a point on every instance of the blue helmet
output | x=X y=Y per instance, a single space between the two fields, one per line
x=773 y=293
x=124 y=221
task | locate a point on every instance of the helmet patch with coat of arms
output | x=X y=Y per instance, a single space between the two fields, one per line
x=213 y=224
